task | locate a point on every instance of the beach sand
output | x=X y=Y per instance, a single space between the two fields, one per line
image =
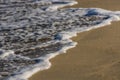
x=97 y=55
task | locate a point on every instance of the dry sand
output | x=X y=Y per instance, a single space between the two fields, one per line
x=97 y=55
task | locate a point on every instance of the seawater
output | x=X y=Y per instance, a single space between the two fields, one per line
x=34 y=31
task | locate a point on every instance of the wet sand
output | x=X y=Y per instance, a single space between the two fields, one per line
x=105 y=4
x=97 y=55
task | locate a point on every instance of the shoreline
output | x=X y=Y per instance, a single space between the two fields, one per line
x=53 y=61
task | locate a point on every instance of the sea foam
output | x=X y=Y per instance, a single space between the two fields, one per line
x=25 y=74
x=46 y=28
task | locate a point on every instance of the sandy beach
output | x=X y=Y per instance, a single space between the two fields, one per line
x=97 y=55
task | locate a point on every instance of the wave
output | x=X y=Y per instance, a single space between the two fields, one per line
x=34 y=32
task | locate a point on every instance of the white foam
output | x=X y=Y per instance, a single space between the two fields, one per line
x=24 y=74
x=5 y=53
x=57 y=6
x=65 y=36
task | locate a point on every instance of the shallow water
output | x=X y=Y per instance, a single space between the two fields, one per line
x=32 y=32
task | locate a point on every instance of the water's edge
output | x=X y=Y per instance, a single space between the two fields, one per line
x=65 y=37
